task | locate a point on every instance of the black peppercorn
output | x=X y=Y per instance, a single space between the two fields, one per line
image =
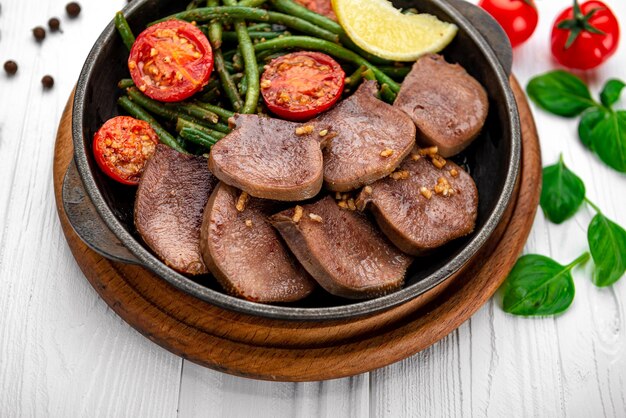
x=10 y=67
x=72 y=9
x=54 y=24
x=39 y=33
x=47 y=81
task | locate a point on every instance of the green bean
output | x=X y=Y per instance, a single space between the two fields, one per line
x=193 y=4
x=238 y=64
x=198 y=137
x=232 y=36
x=125 y=83
x=292 y=8
x=368 y=74
x=223 y=113
x=139 y=113
x=259 y=27
x=251 y=3
x=173 y=111
x=124 y=30
x=395 y=72
x=309 y=43
x=209 y=95
x=185 y=123
x=355 y=78
x=221 y=66
x=230 y=13
x=249 y=59
x=386 y=94
x=267 y=56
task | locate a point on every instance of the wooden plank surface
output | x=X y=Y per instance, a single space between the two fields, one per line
x=64 y=353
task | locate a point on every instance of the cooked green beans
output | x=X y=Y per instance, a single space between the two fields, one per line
x=198 y=137
x=395 y=72
x=253 y=89
x=355 y=78
x=173 y=111
x=185 y=123
x=230 y=13
x=307 y=42
x=232 y=36
x=295 y=9
x=222 y=68
x=223 y=113
x=215 y=28
x=124 y=30
x=140 y=113
x=386 y=94
x=125 y=83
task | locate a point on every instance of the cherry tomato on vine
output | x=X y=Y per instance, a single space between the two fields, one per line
x=300 y=85
x=584 y=36
x=518 y=18
x=171 y=61
x=123 y=146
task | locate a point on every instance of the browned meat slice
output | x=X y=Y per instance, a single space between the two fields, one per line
x=172 y=193
x=245 y=253
x=342 y=250
x=447 y=104
x=266 y=158
x=365 y=139
x=420 y=206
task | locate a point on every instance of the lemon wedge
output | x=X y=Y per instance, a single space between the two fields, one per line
x=382 y=30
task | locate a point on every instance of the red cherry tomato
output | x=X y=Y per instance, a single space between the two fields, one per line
x=300 y=85
x=122 y=146
x=585 y=36
x=518 y=18
x=171 y=61
x=322 y=7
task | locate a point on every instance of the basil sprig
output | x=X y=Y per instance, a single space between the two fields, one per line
x=602 y=129
x=607 y=243
x=562 y=192
x=538 y=285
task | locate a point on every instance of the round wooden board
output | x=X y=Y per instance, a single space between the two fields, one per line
x=294 y=351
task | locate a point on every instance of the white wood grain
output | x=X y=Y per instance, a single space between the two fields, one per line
x=64 y=353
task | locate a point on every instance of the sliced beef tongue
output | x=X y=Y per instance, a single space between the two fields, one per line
x=447 y=104
x=245 y=253
x=172 y=193
x=342 y=250
x=365 y=139
x=426 y=203
x=267 y=158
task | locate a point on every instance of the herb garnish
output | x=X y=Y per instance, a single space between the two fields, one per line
x=538 y=285
x=602 y=129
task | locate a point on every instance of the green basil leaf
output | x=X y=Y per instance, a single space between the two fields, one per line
x=562 y=192
x=607 y=243
x=611 y=91
x=590 y=119
x=561 y=93
x=538 y=285
x=609 y=140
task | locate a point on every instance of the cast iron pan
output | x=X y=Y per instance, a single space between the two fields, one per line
x=101 y=210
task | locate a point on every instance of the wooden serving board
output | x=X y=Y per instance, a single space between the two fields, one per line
x=302 y=351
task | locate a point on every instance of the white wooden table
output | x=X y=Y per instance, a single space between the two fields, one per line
x=64 y=353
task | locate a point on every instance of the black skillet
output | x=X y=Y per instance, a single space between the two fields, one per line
x=101 y=210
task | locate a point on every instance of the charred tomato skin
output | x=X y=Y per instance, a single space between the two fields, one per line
x=300 y=85
x=588 y=50
x=518 y=18
x=171 y=61
x=122 y=147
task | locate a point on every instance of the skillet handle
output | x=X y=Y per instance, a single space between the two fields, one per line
x=490 y=29
x=87 y=223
